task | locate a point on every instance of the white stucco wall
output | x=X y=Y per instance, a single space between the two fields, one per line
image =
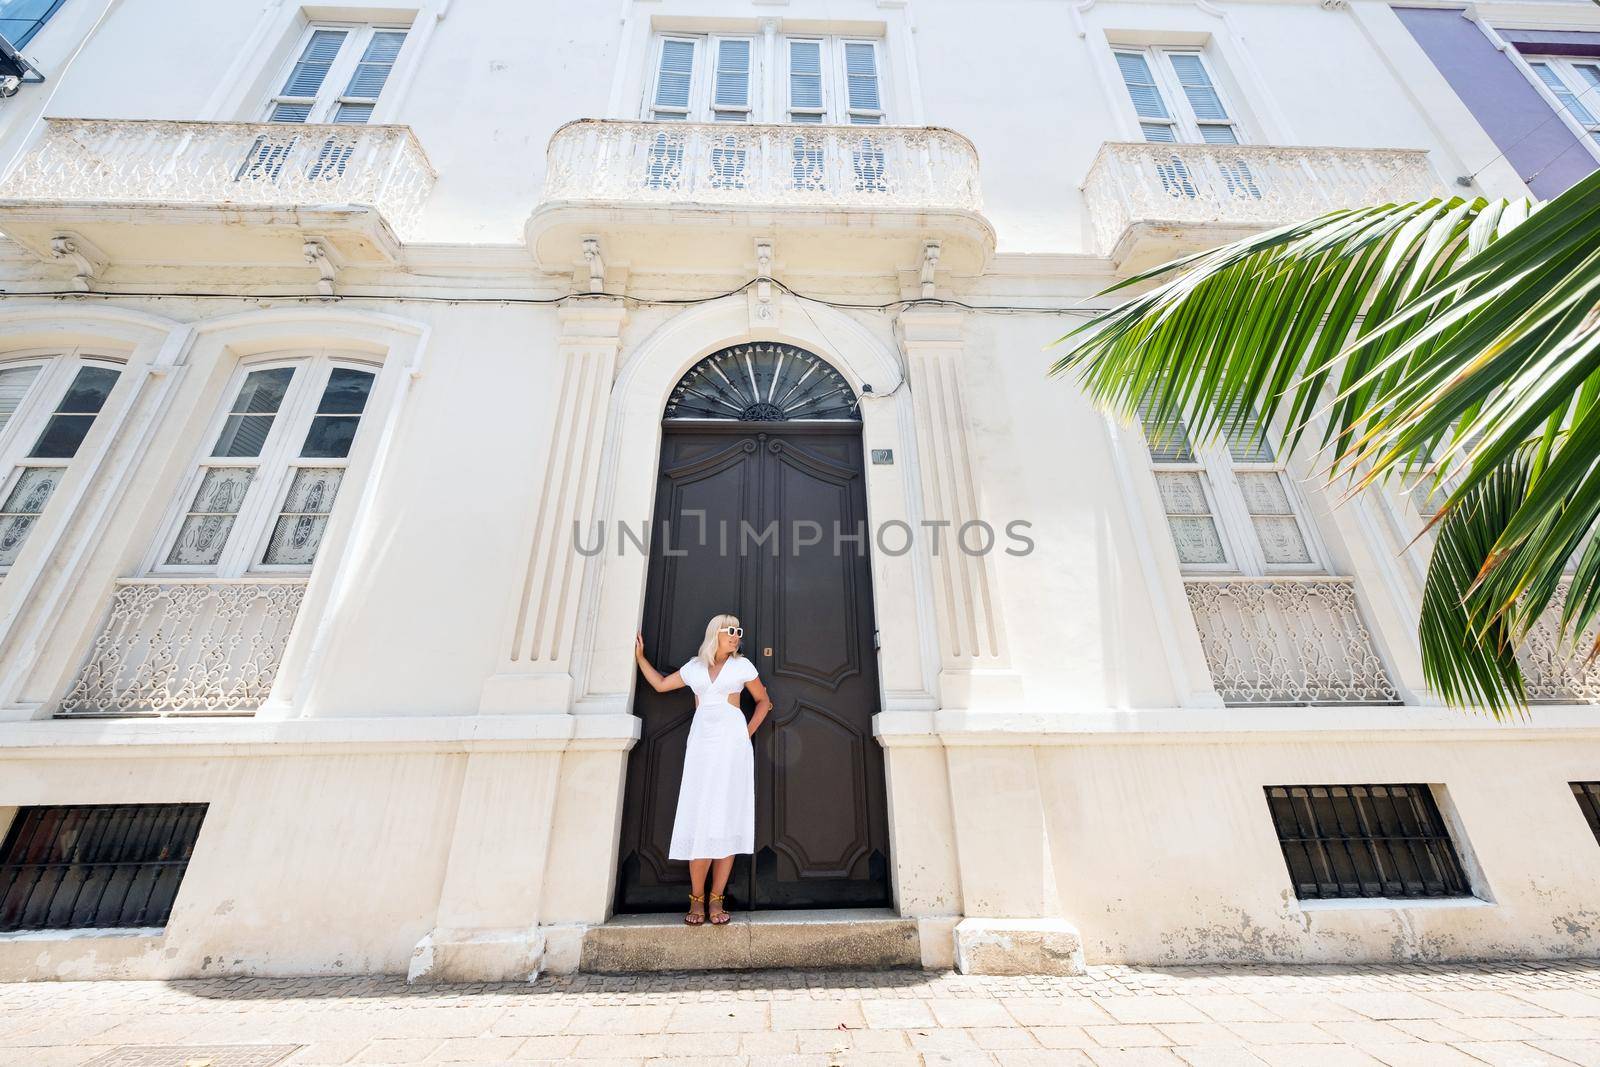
x=1089 y=774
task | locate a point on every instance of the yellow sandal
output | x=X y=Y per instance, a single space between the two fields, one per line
x=716 y=904
x=695 y=917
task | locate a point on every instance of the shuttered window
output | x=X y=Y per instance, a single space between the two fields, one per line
x=95 y=867
x=675 y=78
x=338 y=74
x=54 y=435
x=1175 y=96
x=1388 y=841
x=1229 y=504
x=716 y=78
x=1575 y=84
x=262 y=497
x=730 y=98
x=807 y=96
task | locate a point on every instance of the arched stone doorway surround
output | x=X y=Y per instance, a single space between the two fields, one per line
x=613 y=592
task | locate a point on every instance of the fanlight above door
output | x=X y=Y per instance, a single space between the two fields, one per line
x=763 y=382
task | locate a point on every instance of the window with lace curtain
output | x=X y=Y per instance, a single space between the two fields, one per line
x=48 y=404
x=263 y=491
x=1230 y=505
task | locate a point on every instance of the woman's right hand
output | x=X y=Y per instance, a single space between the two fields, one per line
x=638 y=648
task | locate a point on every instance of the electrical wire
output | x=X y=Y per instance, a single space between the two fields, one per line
x=534 y=301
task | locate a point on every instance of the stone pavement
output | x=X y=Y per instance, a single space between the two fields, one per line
x=1438 y=1014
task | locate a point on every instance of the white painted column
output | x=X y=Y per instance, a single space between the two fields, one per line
x=535 y=672
x=975 y=670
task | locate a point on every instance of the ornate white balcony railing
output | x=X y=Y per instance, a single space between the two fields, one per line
x=187 y=645
x=1553 y=670
x=163 y=162
x=1265 y=185
x=1287 y=641
x=874 y=167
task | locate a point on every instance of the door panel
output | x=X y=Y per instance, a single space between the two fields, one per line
x=821 y=818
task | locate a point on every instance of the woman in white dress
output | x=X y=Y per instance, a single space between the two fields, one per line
x=717 y=799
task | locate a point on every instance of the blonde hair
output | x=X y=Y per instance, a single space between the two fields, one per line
x=708 y=647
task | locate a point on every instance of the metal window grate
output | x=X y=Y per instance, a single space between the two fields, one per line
x=1588 y=795
x=92 y=866
x=1365 y=841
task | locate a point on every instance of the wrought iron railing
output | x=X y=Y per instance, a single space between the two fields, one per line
x=1264 y=185
x=166 y=162
x=1294 y=640
x=1555 y=670
x=176 y=645
x=881 y=167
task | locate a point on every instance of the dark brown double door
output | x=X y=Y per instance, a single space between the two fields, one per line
x=821 y=816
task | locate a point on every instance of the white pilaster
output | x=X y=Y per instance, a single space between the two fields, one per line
x=975 y=670
x=535 y=673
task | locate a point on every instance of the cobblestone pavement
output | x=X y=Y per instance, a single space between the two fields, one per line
x=1466 y=1014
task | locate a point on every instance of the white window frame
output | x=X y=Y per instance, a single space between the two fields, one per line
x=1218 y=470
x=702 y=106
x=835 y=109
x=57 y=370
x=331 y=94
x=1185 y=124
x=1563 y=68
x=275 y=466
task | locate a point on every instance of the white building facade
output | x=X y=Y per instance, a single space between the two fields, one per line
x=372 y=374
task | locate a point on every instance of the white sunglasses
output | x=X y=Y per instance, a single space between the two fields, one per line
x=737 y=631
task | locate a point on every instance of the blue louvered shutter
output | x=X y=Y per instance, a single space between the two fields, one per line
x=674 y=79
x=730 y=97
x=299 y=94
x=367 y=81
x=865 y=103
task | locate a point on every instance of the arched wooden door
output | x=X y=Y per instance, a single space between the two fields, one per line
x=736 y=500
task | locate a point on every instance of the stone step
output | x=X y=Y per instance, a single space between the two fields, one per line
x=811 y=940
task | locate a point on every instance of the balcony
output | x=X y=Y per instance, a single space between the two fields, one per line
x=1287 y=641
x=1557 y=671
x=93 y=192
x=832 y=199
x=186 y=646
x=1150 y=202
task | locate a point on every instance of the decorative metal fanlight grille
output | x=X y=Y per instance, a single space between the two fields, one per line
x=763 y=382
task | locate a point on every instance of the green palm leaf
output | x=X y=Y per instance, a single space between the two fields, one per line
x=1461 y=337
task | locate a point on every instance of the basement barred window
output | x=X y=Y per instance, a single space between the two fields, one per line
x=95 y=866
x=1344 y=841
x=1588 y=794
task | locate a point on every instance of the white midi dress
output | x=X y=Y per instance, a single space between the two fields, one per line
x=717 y=798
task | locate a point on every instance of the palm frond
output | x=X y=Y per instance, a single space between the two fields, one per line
x=1460 y=336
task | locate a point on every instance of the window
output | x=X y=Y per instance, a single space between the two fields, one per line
x=715 y=78
x=265 y=488
x=337 y=75
x=1386 y=841
x=1575 y=84
x=95 y=867
x=1177 y=100
x=20 y=20
x=1175 y=96
x=1229 y=505
x=832 y=80
x=47 y=407
x=1588 y=797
